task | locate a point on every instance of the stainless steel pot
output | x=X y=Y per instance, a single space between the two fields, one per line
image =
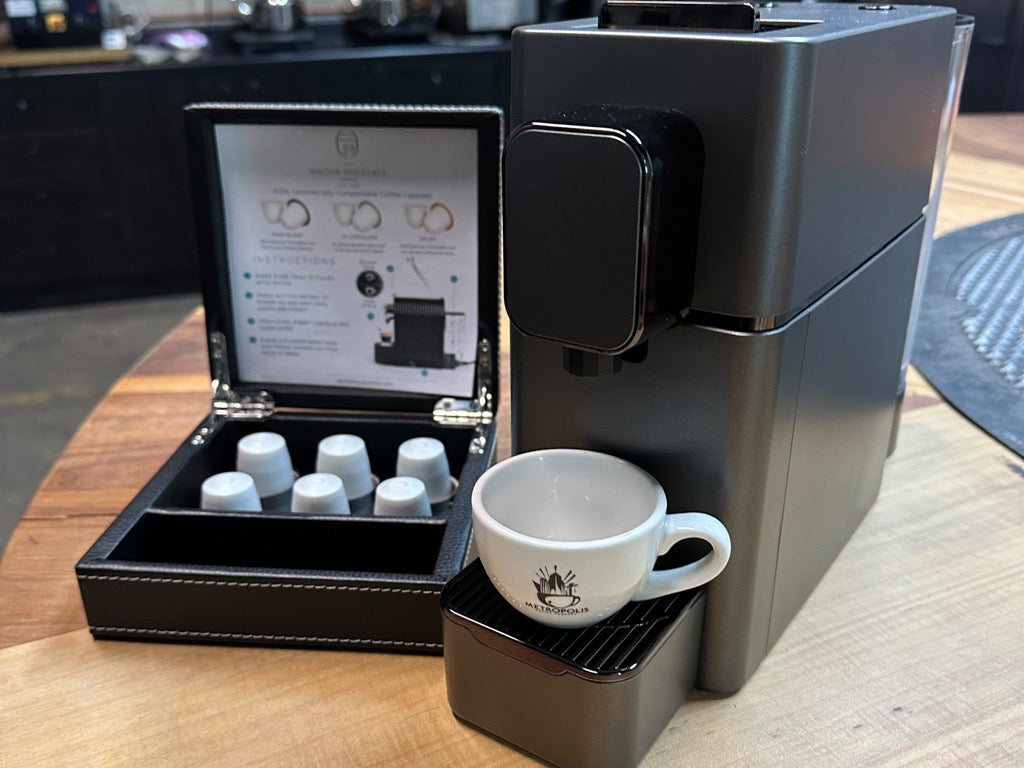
x=488 y=15
x=272 y=15
x=390 y=18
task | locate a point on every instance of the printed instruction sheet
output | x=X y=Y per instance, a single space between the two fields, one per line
x=352 y=254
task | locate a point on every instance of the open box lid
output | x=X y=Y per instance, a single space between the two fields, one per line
x=349 y=256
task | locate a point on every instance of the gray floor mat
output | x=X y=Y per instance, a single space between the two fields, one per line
x=969 y=341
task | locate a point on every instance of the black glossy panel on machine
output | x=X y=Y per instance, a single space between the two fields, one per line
x=559 y=220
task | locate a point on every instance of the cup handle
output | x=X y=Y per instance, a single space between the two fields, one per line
x=688 y=525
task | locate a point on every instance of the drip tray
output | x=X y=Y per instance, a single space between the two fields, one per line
x=596 y=696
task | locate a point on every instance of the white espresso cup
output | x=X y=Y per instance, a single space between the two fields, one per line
x=569 y=536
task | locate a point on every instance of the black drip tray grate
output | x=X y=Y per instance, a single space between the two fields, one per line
x=616 y=646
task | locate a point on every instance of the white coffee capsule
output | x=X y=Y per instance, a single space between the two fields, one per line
x=264 y=455
x=230 y=491
x=346 y=457
x=402 y=496
x=320 y=493
x=425 y=458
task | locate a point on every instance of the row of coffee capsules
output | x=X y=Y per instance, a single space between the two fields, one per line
x=265 y=479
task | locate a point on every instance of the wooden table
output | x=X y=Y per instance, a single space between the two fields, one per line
x=909 y=652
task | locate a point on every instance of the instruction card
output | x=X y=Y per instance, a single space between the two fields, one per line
x=352 y=254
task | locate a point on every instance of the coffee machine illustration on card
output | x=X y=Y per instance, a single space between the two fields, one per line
x=713 y=217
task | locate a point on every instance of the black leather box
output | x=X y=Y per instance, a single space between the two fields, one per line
x=382 y=324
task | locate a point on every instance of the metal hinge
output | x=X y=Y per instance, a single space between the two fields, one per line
x=478 y=411
x=227 y=403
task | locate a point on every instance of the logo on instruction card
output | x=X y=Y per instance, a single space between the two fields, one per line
x=347 y=143
x=556 y=592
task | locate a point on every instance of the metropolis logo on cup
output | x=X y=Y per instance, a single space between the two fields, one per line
x=555 y=593
x=568 y=536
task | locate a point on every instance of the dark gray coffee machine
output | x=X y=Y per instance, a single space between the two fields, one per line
x=713 y=216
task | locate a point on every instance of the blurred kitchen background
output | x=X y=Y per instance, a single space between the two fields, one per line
x=97 y=249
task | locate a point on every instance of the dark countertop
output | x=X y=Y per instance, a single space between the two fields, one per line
x=331 y=39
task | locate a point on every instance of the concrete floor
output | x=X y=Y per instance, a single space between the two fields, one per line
x=55 y=365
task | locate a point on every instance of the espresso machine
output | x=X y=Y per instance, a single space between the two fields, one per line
x=713 y=217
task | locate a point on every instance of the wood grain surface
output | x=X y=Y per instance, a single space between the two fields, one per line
x=907 y=654
x=52 y=57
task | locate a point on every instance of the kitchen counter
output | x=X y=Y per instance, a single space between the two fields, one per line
x=95 y=199
x=329 y=39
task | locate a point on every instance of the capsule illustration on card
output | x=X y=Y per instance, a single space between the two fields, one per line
x=295 y=214
x=366 y=217
x=438 y=219
x=435 y=218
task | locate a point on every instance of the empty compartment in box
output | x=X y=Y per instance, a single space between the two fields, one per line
x=256 y=541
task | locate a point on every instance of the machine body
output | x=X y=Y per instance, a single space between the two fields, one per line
x=711 y=240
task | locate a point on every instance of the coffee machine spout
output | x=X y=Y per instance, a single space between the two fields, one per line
x=590 y=364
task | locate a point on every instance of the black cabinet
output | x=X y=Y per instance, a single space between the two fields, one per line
x=994 y=80
x=56 y=192
x=995 y=65
x=94 y=190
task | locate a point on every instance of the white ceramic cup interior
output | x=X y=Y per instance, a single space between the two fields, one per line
x=264 y=456
x=320 y=493
x=346 y=457
x=403 y=497
x=425 y=458
x=230 y=491
x=569 y=536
